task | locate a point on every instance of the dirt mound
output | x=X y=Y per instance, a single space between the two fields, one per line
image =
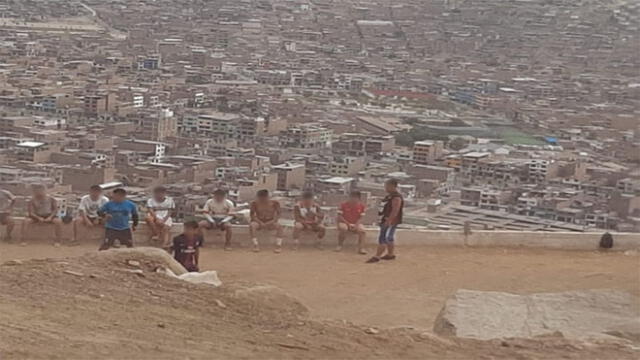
x=114 y=305
x=147 y=257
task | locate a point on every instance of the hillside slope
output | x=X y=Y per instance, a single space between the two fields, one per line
x=96 y=307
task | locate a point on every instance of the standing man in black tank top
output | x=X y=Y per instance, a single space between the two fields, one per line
x=390 y=218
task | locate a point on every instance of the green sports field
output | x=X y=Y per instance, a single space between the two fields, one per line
x=513 y=136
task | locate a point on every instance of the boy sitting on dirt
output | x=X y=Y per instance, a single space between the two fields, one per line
x=186 y=246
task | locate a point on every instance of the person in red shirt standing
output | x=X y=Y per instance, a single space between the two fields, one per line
x=349 y=217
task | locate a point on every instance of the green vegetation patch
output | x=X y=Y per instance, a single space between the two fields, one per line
x=513 y=136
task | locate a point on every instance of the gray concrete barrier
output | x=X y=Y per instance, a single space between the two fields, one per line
x=485 y=238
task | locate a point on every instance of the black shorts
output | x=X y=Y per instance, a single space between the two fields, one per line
x=125 y=237
x=120 y=235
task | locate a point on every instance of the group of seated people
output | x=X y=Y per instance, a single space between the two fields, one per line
x=265 y=212
x=119 y=217
x=309 y=217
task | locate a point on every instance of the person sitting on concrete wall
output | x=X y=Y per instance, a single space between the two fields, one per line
x=7 y=201
x=160 y=208
x=265 y=214
x=308 y=217
x=349 y=216
x=218 y=212
x=88 y=210
x=42 y=209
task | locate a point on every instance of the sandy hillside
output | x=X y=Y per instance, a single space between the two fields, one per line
x=92 y=307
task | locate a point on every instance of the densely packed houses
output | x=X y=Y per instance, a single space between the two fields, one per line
x=504 y=114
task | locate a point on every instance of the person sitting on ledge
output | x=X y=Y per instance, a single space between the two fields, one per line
x=88 y=210
x=308 y=217
x=160 y=209
x=265 y=214
x=42 y=209
x=349 y=217
x=219 y=212
x=7 y=201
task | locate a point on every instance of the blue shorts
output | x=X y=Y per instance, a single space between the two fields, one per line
x=387 y=234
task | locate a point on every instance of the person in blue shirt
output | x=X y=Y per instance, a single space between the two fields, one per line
x=117 y=213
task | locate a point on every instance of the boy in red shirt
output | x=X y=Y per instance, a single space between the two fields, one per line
x=349 y=216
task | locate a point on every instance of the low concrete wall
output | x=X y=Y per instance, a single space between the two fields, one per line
x=551 y=240
x=548 y=240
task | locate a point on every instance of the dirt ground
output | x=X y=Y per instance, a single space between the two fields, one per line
x=408 y=291
x=60 y=311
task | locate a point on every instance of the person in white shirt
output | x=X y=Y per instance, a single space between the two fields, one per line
x=218 y=212
x=88 y=210
x=7 y=201
x=160 y=208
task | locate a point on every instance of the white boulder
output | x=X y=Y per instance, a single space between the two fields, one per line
x=576 y=314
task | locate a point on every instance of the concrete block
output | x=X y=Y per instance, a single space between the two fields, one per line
x=576 y=314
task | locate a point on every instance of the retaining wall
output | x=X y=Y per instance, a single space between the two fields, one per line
x=550 y=240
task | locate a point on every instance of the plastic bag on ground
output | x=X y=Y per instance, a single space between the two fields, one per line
x=206 y=277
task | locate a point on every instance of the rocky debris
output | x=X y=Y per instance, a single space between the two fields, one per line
x=272 y=297
x=220 y=304
x=146 y=258
x=74 y=273
x=493 y=315
x=138 y=272
x=133 y=263
x=13 y=262
x=629 y=330
x=291 y=346
x=436 y=339
x=372 y=331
